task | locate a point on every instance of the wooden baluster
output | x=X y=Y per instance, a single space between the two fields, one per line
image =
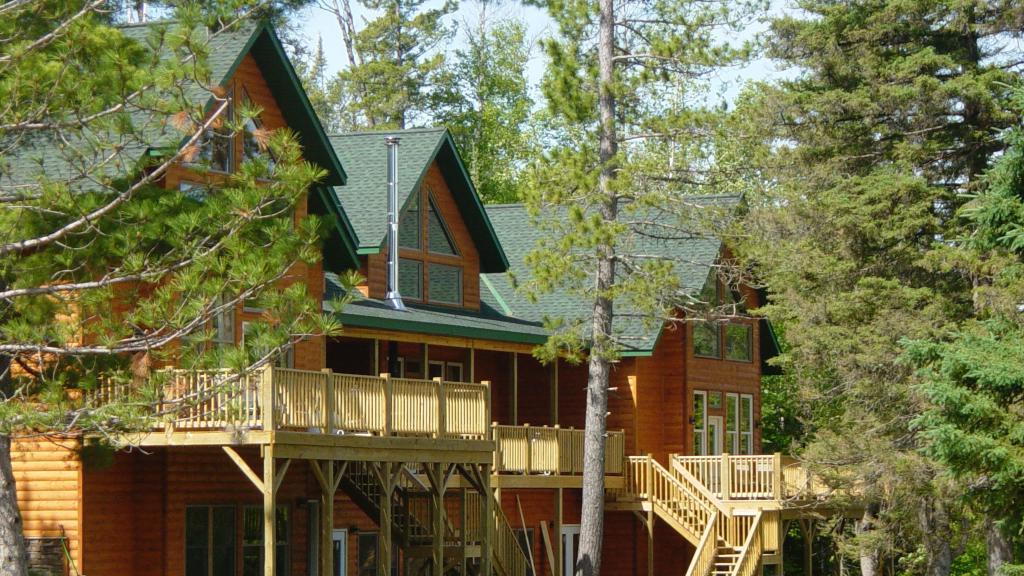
x=386 y=376
x=327 y=394
x=267 y=397
x=442 y=411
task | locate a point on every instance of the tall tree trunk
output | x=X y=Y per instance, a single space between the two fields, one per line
x=13 y=558
x=1000 y=549
x=870 y=559
x=938 y=536
x=588 y=560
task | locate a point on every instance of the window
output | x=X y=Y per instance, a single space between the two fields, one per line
x=209 y=540
x=224 y=324
x=449 y=371
x=254 y=139
x=410 y=279
x=252 y=542
x=217 y=146
x=438 y=238
x=366 y=554
x=445 y=284
x=706 y=340
x=409 y=225
x=732 y=423
x=286 y=359
x=738 y=342
x=739 y=423
x=429 y=268
x=746 y=424
x=700 y=412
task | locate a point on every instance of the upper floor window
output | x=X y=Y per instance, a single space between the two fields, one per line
x=429 y=269
x=706 y=339
x=254 y=137
x=217 y=146
x=738 y=342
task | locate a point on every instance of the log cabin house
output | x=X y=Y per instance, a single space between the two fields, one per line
x=427 y=439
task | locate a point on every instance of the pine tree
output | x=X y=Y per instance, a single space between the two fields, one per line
x=400 y=61
x=866 y=156
x=103 y=272
x=625 y=83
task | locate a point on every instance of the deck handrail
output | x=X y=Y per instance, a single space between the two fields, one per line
x=321 y=401
x=672 y=500
x=550 y=450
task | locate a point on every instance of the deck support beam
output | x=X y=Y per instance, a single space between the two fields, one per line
x=559 y=549
x=328 y=476
x=269 y=511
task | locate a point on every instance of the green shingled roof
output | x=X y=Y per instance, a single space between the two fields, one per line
x=227 y=48
x=364 y=197
x=694 y=256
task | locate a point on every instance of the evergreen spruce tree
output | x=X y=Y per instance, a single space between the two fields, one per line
x=866 y=156
x=103 y=272
x=399 y=63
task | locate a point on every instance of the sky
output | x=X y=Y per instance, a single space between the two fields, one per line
x=314 y=22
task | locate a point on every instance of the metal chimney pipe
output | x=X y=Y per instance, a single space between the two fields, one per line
x=393 y=298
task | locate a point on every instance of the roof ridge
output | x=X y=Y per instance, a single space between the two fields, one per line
x=396 y=131
x=506 y=205
x=146 y=23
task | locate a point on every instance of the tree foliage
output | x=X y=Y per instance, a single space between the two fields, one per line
x=865 y=157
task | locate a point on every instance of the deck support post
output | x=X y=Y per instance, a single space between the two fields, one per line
x=388 y=477
x=807 y=529
x=269 y=511
x=726 y=477
x=559 y=549
x=650 y=541
x=438 y=478
x=486 y=519
x=328 y=476
x=463 y=539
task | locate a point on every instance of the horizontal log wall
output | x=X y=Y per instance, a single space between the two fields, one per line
x=47 y=474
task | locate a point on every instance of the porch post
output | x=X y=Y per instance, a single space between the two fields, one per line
x=384 y=544
x=436 y=475
x=465 y=517
x=486 y=519
x=515 y=388
x=559 y=550
x=269 y=515
x=650 y=542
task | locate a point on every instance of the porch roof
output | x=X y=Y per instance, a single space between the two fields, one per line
x=487 y=324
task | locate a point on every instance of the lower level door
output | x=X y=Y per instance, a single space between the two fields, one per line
x=340 y=550
x=570 y=545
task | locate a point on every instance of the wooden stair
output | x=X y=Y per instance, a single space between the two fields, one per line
x=727 y=541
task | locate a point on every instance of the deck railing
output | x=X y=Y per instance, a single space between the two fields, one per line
x=761 y=477
x=550 y=450
x=316 y=401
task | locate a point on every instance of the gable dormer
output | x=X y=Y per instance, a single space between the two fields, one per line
x=445 y=238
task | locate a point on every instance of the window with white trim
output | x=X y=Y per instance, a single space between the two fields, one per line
x=739 y=423
x=700 y=418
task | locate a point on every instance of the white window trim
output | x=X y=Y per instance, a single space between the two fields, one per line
x=703 y=431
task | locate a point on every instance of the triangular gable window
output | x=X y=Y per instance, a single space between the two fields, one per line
x=409 y=225
x=438 y=239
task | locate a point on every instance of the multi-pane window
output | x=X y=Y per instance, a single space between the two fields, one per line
x=217 y=145
x=449 y=371
x=254 y=139
x=525 y=538
x=739 y=423
x=429 y=269
x=209 y=540
x=738 y=342
x=284 y=359
x=700 y=418
x=252 y=541
x=706 y=339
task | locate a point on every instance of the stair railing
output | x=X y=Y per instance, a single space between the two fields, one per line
x=753 y=548
x=704 y=557
x=509 y=557
x=671 y=499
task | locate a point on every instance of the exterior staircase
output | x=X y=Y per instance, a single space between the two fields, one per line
x=411 y=526
x=728 y=508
